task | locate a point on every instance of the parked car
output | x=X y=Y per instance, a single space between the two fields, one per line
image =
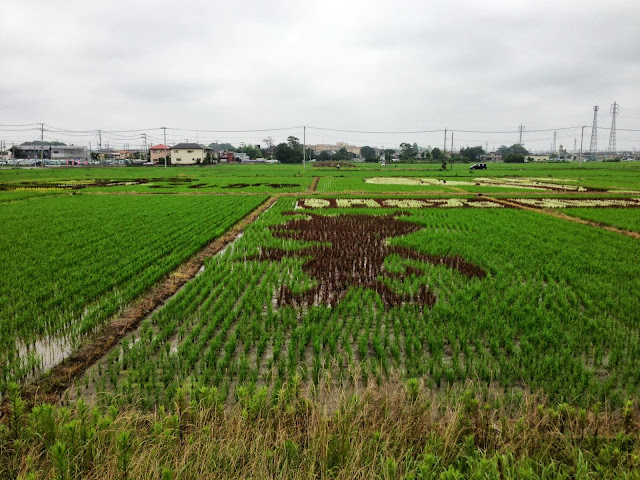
x=478 y=166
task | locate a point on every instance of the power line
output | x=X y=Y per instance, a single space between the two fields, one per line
x=237 y=131
x=375 y=132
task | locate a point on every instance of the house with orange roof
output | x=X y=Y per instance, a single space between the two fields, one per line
x=159 y=152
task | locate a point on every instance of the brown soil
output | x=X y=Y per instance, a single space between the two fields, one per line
x=73 y=186
x=78 y=185
x=314 y=185
x=50 y=386
x=564 y=216
x=355 y=258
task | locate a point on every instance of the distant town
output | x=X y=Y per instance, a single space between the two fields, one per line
x=37 y=153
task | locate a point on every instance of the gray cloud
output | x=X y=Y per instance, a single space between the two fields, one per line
x=361 y=65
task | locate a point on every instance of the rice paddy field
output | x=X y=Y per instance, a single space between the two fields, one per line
x=366 y=322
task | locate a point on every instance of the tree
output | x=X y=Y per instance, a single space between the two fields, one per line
x=388 y=154
x=284 y=153
x=518 y=149
x=369 y=154
x=324 y=156
x=269 y=143
x=513 y=158
x=408 y=152
x=437 y=154
x=513 y=154
x=515 y=148
x=38 y=143
x=251 y=150
x=342 y=154
x=290 y=152
x=471 y=154
x=221 y=147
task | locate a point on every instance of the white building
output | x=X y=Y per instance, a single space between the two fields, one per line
x=188 y=153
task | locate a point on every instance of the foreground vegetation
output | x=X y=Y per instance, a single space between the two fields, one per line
x=393 y=431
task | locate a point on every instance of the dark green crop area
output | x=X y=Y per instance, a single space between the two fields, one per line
x=69 y=262
x=623 y=218
x=621 y=177
x=557 y=313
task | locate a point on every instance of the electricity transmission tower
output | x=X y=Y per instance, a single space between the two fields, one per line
x=593 y=148
x=555 y=136
x=520 y=129
x=612 y=135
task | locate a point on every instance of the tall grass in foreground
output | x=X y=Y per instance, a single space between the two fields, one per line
x=391 y=431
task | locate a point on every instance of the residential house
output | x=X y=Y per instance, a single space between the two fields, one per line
x=189 y=154
x=230 y=157
x=537 y=157
x=159 y=153
x=493 y=157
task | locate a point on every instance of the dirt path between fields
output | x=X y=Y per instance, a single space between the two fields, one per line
x=564 y=216
x=50 y=386
x=314 y=185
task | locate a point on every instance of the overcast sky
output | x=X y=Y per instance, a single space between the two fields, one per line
x=352 y=65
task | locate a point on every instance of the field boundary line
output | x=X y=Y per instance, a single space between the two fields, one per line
x=50 y=386
x=314 y=185
x=564 y=216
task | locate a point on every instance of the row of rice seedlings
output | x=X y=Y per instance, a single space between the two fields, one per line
x=106 y=272
x=524 y=326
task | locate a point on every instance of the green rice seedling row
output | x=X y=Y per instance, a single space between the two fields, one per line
x=70 y=262
x=624 y=218
x=462 y=293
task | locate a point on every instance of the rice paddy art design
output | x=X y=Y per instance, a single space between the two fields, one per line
x=351 y=252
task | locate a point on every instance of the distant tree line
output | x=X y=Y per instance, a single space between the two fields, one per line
x=516 y=153
x=291 y=151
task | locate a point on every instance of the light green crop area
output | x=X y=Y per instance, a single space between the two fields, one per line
x=69 y=262
x=557 y=311
x=624 y=218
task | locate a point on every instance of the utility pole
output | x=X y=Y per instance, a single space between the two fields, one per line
x=42 y=144
x=520 y=129
x=100 y=145
x=593 y=148
x=581 y=139
x=304 y=146
x=451 y=157
x=164 y=129
x=144 y=146
x=612 y=134
x=444 y=148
